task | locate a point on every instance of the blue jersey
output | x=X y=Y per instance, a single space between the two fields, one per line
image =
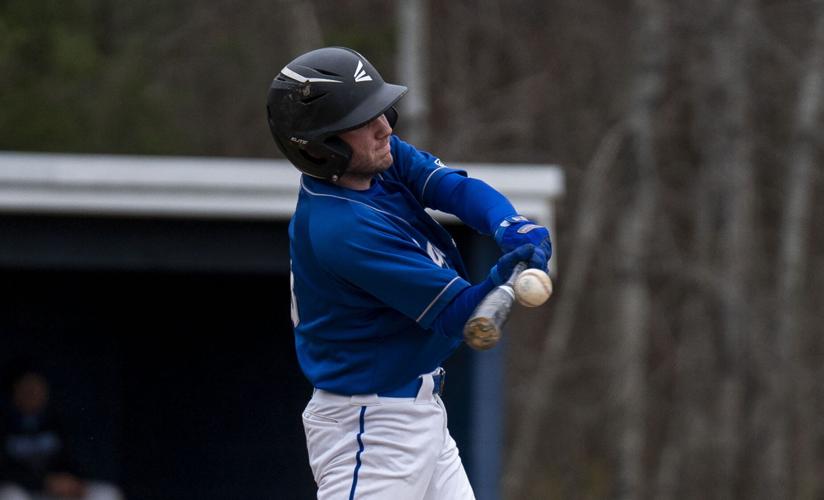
x=371 y=270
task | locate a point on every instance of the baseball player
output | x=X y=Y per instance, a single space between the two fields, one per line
x=379 y=291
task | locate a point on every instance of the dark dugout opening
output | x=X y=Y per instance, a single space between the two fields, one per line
x=169 y=349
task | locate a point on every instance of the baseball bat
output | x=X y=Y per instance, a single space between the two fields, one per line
x=483 y=329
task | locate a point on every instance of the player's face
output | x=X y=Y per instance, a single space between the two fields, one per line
x=370 y=147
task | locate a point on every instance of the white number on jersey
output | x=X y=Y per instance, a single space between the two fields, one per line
x=436 y=255
x=294 y=301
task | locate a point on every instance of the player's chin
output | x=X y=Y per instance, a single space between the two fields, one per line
x=385 y=161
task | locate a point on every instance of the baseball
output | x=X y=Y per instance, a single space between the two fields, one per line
x=533 y=287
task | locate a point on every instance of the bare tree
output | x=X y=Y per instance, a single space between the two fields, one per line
x=634 y=308
x=307 y=34
x=458 y=110
x=542 y=383
x=793 y=387
x=412 y=68
x=726 y=139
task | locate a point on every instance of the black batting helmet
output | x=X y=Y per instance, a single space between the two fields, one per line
x=319 y=95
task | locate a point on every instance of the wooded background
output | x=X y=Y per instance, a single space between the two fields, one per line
x=681 y=357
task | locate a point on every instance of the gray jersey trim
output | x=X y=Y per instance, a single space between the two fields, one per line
x=303 y=186
x=456 y=278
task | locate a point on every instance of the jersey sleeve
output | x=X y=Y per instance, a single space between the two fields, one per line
x=420 y=171
x=376 y=257
x=450 y=190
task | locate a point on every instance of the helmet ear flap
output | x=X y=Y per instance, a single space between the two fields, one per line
x=341 y=154
x=391 y=115
x=332 y=155
x=339 y=148
x=331 y=149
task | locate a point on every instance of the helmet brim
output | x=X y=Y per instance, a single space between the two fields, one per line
x=371 y=108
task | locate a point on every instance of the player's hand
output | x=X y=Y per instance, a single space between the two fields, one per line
x=536 y=257
x=517 y=230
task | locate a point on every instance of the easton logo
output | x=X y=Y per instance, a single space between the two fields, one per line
x=360 y=74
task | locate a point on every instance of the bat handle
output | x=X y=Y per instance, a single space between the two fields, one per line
x=519 y=268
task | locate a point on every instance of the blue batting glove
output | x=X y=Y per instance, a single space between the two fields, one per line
x=506 y=264
x=517 y=230
x=540 y=257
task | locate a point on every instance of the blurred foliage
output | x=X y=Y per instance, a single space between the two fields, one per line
x=65 y=89
x=155 y=77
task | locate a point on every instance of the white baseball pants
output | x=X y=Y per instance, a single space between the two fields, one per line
x=369 y=447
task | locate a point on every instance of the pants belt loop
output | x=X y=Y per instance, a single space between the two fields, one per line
x=427 y=386
x=364 y=400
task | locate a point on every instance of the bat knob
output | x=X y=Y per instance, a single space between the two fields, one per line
x=481 y=333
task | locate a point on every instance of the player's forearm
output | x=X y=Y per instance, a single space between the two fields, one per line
x=473 y=201
x=450 y=321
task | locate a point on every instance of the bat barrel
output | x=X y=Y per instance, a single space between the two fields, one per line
x=482 y=333
x=483 y=330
